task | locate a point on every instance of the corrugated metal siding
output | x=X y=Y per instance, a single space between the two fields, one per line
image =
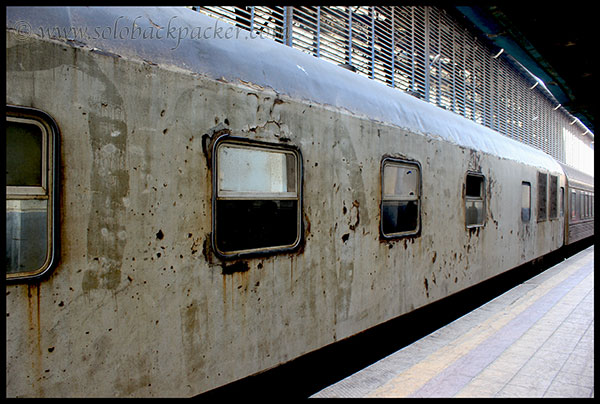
x=425 y=52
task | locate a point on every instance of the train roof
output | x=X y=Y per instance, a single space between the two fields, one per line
x=577 y=177
x=185 y=39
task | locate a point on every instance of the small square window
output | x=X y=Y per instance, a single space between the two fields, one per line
x=257 y=198
x=400 y=200
x=474 y=200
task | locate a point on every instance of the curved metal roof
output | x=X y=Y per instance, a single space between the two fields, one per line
x=578 y=177
x=184 y=39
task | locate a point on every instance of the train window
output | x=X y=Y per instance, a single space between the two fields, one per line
x=590 y=210
x=474 y=200
x=257 y=198
x=31 y=139
x=542 y=196
x=525 y=201
x=573 y=204
x=553 y=197
x=562 y=201
x=400 y=199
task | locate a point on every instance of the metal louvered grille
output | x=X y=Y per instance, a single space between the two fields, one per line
x=425 y=52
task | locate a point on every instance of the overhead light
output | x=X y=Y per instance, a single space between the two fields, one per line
x=534 y=86
x=499 y=53
x=557 y=107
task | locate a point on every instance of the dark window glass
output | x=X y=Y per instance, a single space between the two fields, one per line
x=252 y=224
x=23 y=154
x=553 y=196
x=525 y=201
x=542 y=195
x=562 y=201
x=399 y=217
x=474 y=186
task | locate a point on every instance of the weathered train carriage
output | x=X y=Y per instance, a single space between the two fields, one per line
x=579 y=220
x=375 y=202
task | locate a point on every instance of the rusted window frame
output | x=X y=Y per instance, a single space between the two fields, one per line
x=481 y=198
x=254 y=144
x=49 y=189
x=405 y=162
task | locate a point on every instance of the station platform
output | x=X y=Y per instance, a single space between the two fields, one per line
x=536 y=340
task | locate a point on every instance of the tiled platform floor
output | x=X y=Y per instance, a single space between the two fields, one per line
x=536 y=340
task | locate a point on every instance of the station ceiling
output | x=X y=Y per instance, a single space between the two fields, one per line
x=555 y=43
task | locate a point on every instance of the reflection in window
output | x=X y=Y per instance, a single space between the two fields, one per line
x=474 y=200
x=26 y=230
x=400 y=205
x=257 y=201
x=29 y=138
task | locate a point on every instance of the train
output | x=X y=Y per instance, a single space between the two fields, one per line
x=189 y=204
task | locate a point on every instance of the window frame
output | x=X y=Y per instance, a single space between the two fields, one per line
x=562 y=201
x=243 y=143
x=553 y=186
x=542 y=197
x=481 y=198
x=400 y=162
x=528 y=184
x=49 y=189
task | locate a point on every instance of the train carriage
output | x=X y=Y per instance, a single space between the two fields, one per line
x=579 y=219
x=213 y=207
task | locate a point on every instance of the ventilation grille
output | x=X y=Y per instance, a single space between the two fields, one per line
x=425 y=52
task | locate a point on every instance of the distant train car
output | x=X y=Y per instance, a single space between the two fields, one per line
x=184 y=211
x=579 y=221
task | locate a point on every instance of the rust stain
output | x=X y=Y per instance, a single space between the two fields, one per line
x=307 y=226
x=240 y=266
x=356 y=205
x=35 y=335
